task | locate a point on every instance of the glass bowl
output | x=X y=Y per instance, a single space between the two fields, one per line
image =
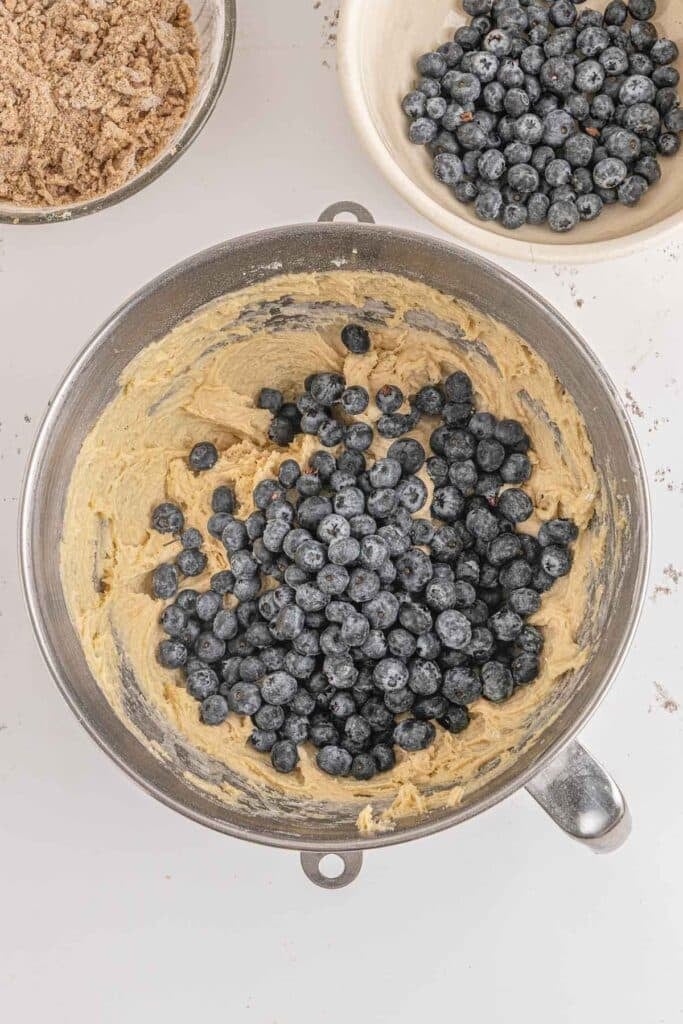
x=215 y=22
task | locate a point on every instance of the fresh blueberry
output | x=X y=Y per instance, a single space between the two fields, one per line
x=453 y=629
x=284 y=756
x=555 y=561
x=497 y=682
x=334 y=760
x=422 y=131
x=213 y=710
x=165 y=582
x=563 y=215
x=413 y=735
x=203 y=456
x=168 y=518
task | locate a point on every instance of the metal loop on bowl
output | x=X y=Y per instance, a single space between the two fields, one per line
x=362 y=215
x=352 y=863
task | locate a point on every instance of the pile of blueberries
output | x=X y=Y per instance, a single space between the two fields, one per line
x=538 y=113
x=354 y=623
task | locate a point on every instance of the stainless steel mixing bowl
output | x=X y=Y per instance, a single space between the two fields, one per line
x=558 y=772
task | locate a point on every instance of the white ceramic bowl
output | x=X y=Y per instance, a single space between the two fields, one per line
x=379 y=42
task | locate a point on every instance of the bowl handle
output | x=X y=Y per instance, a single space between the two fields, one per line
x=362 y=215
x=582 y=799
x=311 y=860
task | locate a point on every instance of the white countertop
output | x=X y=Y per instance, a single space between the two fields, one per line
x=114 y=908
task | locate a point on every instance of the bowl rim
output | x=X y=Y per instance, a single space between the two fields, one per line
x=351 y=78
x=204 y=259
x=31 y=215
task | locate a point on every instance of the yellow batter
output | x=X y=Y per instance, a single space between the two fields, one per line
x=200 y=383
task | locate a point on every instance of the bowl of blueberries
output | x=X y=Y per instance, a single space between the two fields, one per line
x=543 y=129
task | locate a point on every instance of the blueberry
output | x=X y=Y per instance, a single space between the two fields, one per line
x=666 y=100
x=389 y=398
x=482 y=524
x=413 y=734
x=322 y=734
x=390 y=674
x=288 y=623
x=524 y=601
x=278 y=688
x=497 y=682
x=448 y=168
x=558 y=531
x=409 y=453
x=207 y=605
x=673 y=120
x=589 y=76
x=430 y=87
x=555 y=561
x=643 y=10
x=348 y=502
x=284 y=756
x=665 y=77
x=358 y=437
x=668 y=144
x=326 y=388
x=209 y=647
x=362 y=526
x=563 y=215
x=464 y=476
x=191 y=538
x=422 y=131
x=525 y=668
x=589 y=206
x=558 y=126
x=334 y=760
x=491 y=166
x=432 y=64
x=490 y=454
x=202 y=682
x=523 y=178
x=263 y=740
x=488 y=205
x=516 y=573
x=530 y=640
x=643 y=36
x=452 y=53
x=412 y=493
x=203 y=456
x=269 y=716
x=453 y=629
x=165 y=581
x=213 y=710
x=168 y=518
x=173 y=620
x=505 y=625
x=647 y=167
x=414 y=569
x=413 y=105
x=270 y=399
x=518 y=152
x=461 y=685
x=244 y=698
x=344 y=551
x=187 y=600
x=616 y=13
x=541 y=581
x=505 y=548
x=482 y=425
